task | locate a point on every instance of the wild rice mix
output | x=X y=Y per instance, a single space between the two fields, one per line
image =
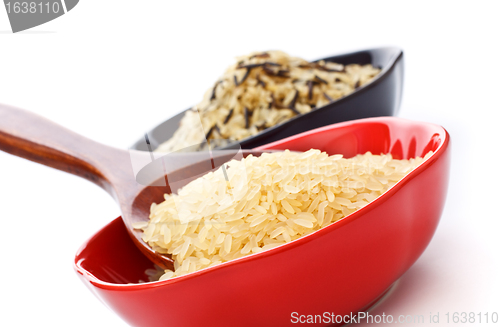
x=264 y=202
x=263 y=90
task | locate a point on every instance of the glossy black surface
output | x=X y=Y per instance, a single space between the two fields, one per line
x=381 y=97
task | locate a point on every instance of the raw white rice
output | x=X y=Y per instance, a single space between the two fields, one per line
x=268 y=201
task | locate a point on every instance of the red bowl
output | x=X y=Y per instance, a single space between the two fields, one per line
x=339 y=269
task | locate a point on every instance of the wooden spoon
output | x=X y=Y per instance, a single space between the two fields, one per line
x=35 y=138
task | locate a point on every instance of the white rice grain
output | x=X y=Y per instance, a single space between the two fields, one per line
x=200 y=228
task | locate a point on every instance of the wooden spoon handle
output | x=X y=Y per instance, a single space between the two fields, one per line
x=35 y=138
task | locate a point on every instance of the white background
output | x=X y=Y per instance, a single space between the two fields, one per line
x=111 y=70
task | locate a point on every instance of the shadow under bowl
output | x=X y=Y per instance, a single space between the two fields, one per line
x=341 y=268
x=381 y=97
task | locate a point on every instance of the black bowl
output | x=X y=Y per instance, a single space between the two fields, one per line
x=380 y=97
